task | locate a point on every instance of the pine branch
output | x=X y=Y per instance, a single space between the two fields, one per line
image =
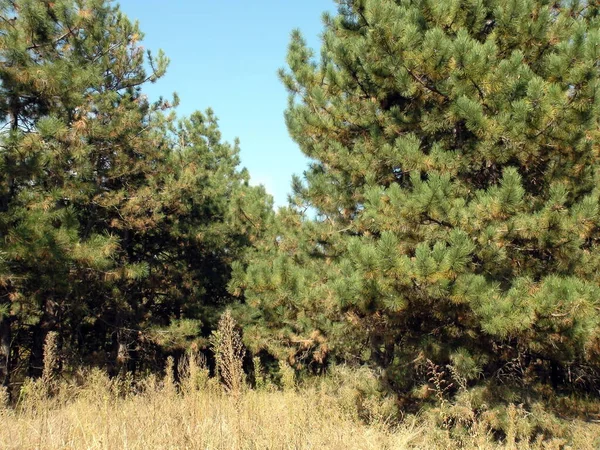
x=247 y=217
x=51 y=43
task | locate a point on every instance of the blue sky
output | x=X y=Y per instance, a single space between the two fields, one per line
x=225 y=55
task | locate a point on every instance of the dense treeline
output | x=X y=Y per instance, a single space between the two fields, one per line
x=446 y=233
x=117 y=220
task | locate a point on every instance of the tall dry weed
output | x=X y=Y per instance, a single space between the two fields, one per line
x=169 y=387
x=226 y=343
x=4 y=397
x=193 y=372
x=50 y=359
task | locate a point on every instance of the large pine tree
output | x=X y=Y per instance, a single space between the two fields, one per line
x=455 y=184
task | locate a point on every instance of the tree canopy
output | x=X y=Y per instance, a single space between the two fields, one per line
x=117 y=219
x=454 y=183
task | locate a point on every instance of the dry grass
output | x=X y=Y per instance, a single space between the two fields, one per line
x=115 y=414
x=344 y=410
x=97 y=418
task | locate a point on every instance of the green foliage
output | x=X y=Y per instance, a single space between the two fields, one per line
x=116 y=218
x=179 y=335
x=454 y=183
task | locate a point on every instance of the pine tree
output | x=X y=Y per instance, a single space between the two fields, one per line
x=455 y=184
x=70 y=75
x=206 y=216
x=114 y=219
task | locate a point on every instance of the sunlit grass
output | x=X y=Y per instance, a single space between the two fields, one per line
x=117 y=414
x=97 y=418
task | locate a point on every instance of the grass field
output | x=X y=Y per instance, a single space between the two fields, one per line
x=98 y=413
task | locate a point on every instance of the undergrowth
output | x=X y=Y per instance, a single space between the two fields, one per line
x=346 y=409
